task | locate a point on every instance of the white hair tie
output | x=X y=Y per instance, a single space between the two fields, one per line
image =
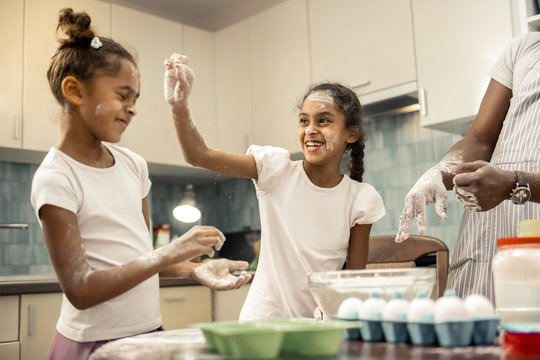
x=96 y=43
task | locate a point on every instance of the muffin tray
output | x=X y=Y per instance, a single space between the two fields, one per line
x=267 y=339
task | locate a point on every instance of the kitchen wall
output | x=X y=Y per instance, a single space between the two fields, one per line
x=398 y=151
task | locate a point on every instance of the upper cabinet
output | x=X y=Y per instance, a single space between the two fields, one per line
x=199 y=47
x=250 y=76
x=233 y=95
x=280 y=72
x=41 y=112
x=362 y=43
x=30 y=116
x=456 y=44
x=11 y=72
x=526 y=15
x=151 y=132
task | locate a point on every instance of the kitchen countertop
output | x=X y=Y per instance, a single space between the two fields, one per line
x=190 y=344
x=36 y=284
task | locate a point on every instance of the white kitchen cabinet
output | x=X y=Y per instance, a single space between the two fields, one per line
x=456 y=43
x=526 y=16
x=9 y=313
x=366 y=44
x=11 y=70
x=151 y=39
x=280 y=72
x=10 y=351
x=199 y=47
x=233 y=92
x=9 y=331
x=39 y=315
x=184 y=305
x=228 y=304
x=41 y=112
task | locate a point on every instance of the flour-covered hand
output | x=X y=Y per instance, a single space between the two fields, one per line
x=197 y=241
x=428 y=189
x=216 y=274
x=178 y=80
x=480 y=186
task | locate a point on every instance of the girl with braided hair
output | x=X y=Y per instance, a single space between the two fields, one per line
x=313 y=217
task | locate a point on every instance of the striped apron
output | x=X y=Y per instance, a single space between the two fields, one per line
x=518 y=148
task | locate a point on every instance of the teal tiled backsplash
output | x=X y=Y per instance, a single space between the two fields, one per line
x=398 y=151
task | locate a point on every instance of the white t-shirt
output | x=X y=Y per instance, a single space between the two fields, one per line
x=305 y=228
x=108 y=204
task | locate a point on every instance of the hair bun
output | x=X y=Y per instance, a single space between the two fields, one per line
x=76 y=26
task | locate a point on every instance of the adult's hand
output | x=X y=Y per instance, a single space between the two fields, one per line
x=480 y=186
x=428 y=189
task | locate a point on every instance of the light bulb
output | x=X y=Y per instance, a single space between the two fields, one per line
x=186 y=213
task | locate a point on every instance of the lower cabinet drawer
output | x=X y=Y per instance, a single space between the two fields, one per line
x=10 y=350
x=9 y=315
x=227 y=304
x=184 y=305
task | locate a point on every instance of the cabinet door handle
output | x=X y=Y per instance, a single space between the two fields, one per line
x=361 y=84
x=175 y=298
x=16 y=126
x=30 y=320
x=422 y=101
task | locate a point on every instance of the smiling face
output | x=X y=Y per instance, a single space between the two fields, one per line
x=321 y=129
x=109 y=102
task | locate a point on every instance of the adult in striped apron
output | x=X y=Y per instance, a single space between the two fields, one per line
x=504 y=137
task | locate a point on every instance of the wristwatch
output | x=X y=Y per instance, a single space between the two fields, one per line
x=522 y=192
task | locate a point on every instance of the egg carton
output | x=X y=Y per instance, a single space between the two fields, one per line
x=446 y=334
x=449 y=329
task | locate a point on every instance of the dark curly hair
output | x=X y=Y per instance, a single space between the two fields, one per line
x=349 y=104
x=75 y=57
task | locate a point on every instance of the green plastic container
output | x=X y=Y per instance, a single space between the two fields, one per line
x=266 y=339
x=207 y=329
x=243 y=340
x=320 y=338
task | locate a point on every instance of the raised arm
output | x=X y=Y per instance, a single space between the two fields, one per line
x=478 y=143
x=178 y=82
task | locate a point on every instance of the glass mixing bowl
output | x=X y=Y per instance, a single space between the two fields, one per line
x=332 y=287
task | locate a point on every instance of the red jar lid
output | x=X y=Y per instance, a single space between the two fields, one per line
x=526 y=240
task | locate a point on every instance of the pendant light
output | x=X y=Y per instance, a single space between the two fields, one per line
x=187 y=211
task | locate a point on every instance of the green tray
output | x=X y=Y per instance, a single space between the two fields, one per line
x=265 y=339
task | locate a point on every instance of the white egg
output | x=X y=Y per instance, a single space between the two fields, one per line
x=372 y=308
x=396 y=309
x=421 y=309
x=450 y=308
x=349 y=308
x=479 y=306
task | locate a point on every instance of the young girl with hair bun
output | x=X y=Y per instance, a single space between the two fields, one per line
x=91 y=200
x=313 y=217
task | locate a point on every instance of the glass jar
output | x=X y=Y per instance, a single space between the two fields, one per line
x=516 y=277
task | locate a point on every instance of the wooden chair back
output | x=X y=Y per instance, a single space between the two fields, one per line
x=384 y=252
